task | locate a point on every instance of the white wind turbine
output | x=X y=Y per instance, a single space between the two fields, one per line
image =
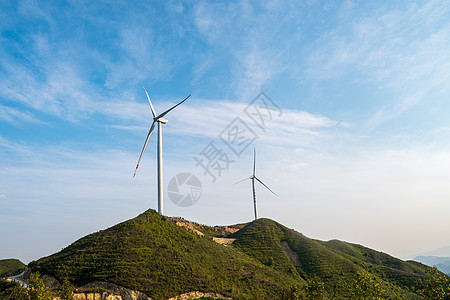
x=253 y=177
x=160 y=120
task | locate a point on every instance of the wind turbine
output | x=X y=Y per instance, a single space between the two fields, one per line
x=253 y=177
x=160 y=120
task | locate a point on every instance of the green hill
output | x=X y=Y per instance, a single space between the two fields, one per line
x=10 y=267
x=164 y=257
x=152 y=254
x=335 y=263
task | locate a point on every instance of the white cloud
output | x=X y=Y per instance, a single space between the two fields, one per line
x=298 y=165
x=208 y=118
x=16 y=116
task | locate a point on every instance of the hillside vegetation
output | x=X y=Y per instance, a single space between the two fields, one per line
x=334 y=263
x=152 y=254
x=10 y=267
x=164 y=257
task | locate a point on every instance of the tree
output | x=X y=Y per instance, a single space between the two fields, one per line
x=19 y=293
x=66 y=291
x=292 y=294
x=437 y=285
x=367 y=286
x=315 y=289
x=37 y=288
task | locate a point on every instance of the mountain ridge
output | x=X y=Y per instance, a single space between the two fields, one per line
x=163 y=258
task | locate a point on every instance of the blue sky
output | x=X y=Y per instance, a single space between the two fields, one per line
x=359 y=152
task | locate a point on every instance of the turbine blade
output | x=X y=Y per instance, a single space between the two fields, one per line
x=165 y=113
x=266 y=186
x=242 y=180
x=151 y=105
x=254 y=160
x=145 y=145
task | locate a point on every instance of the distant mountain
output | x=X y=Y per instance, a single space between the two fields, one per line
x=10 y=267
x=440 y=252
x=164 y=257
x=442 y=263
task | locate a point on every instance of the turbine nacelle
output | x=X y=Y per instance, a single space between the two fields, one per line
x=161 y=120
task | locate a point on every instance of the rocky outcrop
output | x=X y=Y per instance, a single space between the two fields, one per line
x=48 y=280
x=108 y=291
x=223 y=241
x=292 y=255
x=96 y=296
x=96 y=290
x=51 y=282
x=197 y=295
x=191 y=226
x=26 y=274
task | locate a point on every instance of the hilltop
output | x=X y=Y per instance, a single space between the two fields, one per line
x=164 y=257
x=152 y=254
x=10 y=267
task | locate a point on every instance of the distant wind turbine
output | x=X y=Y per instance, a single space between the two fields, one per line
x=160 y=120
x=253 y=177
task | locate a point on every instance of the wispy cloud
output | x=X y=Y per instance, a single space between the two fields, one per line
x=16 y=116
x=404 y=52
x=55 y=72
x=249 y=40
x=208 y=118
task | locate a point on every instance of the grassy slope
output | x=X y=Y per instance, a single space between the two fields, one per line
x=403 y=274
x=334 y=262
x=10 y=267
x=153 y=255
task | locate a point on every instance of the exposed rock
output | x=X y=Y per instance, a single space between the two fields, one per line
x=292 y=255
x=196 y=295
x=51 y=281
x=104 y=290
x=223 y=241
x=48 y=280
x=96 y=296
x=186 y=224
x=225 y=230
x=27 y=274
x=112 y=290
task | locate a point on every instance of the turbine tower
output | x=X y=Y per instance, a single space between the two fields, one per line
x=160 y=120
x=253 y=177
